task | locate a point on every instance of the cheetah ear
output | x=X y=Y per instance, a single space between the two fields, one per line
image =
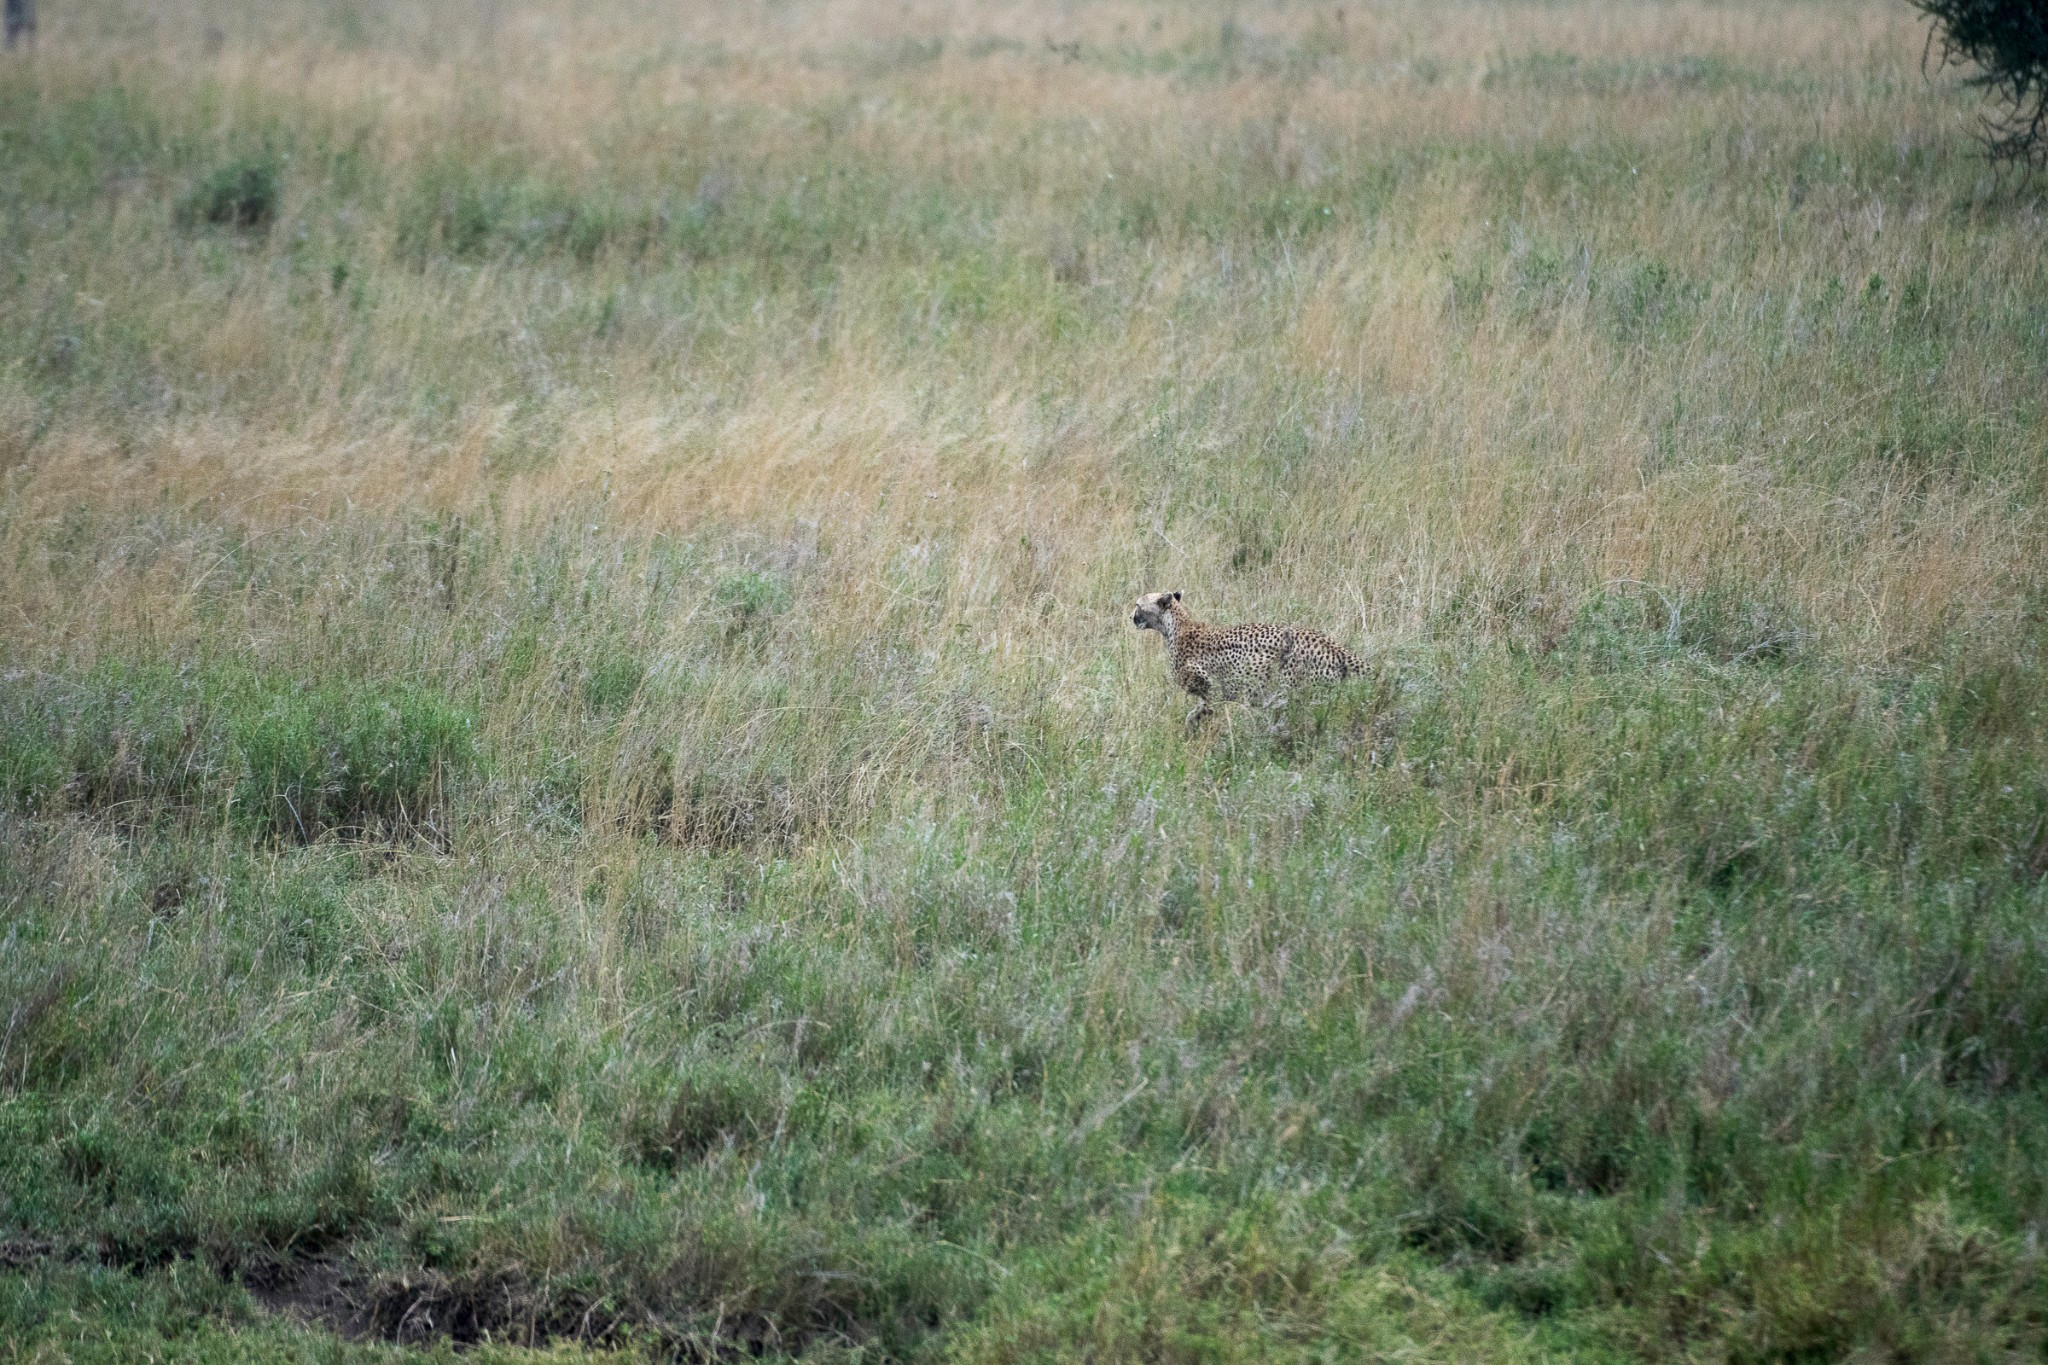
x=1173 y=597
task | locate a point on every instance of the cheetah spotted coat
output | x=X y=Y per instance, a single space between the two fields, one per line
x=1240 y=663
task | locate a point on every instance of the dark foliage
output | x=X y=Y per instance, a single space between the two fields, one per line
x=242 y=194
x=2008 y=41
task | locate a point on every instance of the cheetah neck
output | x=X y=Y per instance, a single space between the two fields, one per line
x=1182 y=631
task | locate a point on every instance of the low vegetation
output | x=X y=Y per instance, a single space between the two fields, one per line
x=575 y=778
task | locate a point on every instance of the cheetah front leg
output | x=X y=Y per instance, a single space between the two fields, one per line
x=1201 y=687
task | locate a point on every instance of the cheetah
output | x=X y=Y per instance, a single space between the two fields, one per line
x=1225 y=663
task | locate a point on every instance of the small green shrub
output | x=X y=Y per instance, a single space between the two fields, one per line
x=750 y=597
x=144 y=742
x=343 y=757
x=611 y=683
x=1641 y=299
x=244 y=193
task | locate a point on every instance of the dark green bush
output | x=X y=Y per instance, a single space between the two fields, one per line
x=245 y=193
x=2008 y=41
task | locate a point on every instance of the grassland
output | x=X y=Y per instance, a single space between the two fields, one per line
x=574 y=774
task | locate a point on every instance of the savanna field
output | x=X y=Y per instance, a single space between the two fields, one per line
x=576 y=780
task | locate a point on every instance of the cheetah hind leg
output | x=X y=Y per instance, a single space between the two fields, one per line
x=1278 y=706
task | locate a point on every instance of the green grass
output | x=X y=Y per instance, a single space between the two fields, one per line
x=281 y=757
x=189 y=1314
x=575 y=781
x=1694 y=963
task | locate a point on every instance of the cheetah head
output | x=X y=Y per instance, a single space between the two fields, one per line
x=1155 y=612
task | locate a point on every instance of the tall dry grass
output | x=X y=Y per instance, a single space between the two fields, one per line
x=1576 y=295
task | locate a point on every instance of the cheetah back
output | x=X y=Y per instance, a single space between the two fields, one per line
x=1248 y=656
